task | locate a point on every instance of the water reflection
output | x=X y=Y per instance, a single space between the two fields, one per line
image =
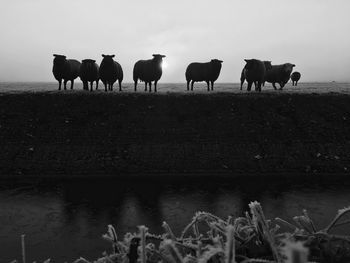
x=64 y=220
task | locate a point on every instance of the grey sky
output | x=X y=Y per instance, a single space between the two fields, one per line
x=313 y=34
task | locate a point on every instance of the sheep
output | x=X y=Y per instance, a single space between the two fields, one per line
x=267 y=67
x=254 y=72
x=279 y=74
x=208 y=72
x=295 y=78
x=110 y=71
x=65 y=69
x=148 y=71
x=89 y=73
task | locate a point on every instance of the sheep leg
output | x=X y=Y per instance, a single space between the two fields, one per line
x=296 y=83
x=155 y=86
x=281 y=85
x=96 y=84
x=208 y=85
x=59 y=84
x=192 y=82
x=65 y=84
x=242 y=84
x=91 y=84
x=145 y=86
x=111 y=86
x=274 y=85
x=259 y=86
x=135 y=85
x=188 y=85
x=71 y=84
x=150 y=86
x=120 y=85
x=249 y=86
x=105 y=83
x=212 y=85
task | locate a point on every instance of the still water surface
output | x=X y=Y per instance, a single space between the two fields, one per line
x=64 y=220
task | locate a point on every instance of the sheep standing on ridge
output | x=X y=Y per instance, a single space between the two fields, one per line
x=65 y=69
x=267 y=67
x=279 y=74
x=110 y=71
x=295 y=78
x=254 y=73
x=148 y=71
x=208 y=72
x=89 y=73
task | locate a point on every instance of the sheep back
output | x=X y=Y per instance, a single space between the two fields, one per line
x=208 y=71
x=148 y=70
x=89 y=70
x=254 y=70
x=110 y=71
x=295 y=76
x=279 y=73
x=66 y=69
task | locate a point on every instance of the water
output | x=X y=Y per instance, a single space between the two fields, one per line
x=308 y=87
x=64 y=220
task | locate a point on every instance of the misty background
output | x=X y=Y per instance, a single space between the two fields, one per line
x=313 y=34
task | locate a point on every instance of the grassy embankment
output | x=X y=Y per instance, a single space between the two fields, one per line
x=66 y=134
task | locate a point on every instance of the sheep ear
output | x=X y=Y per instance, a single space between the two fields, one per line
x=246 y=60
x=221 y=61
x=93 y=61
x=113 y=56
x=293 y=65
x=163 y=56
x=103 y=55
x=55 y=55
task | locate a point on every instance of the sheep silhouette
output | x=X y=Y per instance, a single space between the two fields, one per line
x=110 y=71
x=208 y=72
x=65 y=69
x=89 y=72
x=279 y=74
x=254 y=73
x=295 y=78
x=148 y=71
x=267 y=67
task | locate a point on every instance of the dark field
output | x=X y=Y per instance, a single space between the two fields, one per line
x=79 y=134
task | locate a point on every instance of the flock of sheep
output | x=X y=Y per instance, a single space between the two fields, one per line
x=148 y=71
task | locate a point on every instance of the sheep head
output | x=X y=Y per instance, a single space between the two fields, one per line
x=216 y=61
x=158 y=58
x=59 y=59
x=288 y=67
x=250 y=63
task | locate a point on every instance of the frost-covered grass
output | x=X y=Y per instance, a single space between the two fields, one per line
x=250 y=238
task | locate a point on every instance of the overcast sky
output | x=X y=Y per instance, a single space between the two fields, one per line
x=313 y=34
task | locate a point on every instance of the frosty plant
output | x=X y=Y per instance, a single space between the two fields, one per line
x=247 y=239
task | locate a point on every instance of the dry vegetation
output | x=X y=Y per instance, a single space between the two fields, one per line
x=251 y=238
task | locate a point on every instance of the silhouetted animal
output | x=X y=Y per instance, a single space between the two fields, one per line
x=254 y=72
x=267 y=67
x=148 y=71
x=65 y=69
x=208 y=72
x=89 y=73
x=110 y=71
x=279 y=74
x=295 y=78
